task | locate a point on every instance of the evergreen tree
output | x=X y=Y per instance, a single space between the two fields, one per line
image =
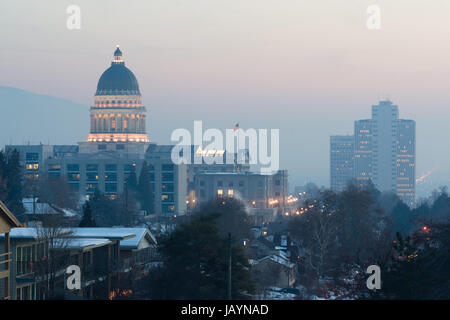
x=232 y=216
x=441 y=206
x=11 y=181
x=418 y=266
x=195 y=264
x=144 y=188
x=3 y=186
x=109 y=212
x=401 y=214
x=87 y=220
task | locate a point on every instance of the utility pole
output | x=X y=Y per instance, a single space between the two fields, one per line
x=229 y=268
x=126 y=194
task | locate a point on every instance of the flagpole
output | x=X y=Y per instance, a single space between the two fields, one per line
x=236 y=127
x=237 y=147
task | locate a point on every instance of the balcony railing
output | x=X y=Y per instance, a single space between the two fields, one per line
x=24 y=268
x=4 y=260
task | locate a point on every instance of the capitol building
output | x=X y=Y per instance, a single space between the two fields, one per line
x=118 y=144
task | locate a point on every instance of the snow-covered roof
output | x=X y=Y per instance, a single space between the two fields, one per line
x=81 y=244
x=281 y=260
x=103 y=233
x=69 y=213
x=22 y=233
x=28 y=233
x=130 y=238
x=140 y=234
x=34 y=207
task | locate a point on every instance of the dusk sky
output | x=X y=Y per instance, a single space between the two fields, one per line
x=308 y=68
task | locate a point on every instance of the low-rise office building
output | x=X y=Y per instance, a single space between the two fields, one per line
x=265 y=195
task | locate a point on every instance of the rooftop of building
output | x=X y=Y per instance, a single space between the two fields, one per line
x=141 y=234
x=104 y=233
x=241 y=173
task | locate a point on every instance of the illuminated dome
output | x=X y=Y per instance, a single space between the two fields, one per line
x=118 y=114
x=117 y=79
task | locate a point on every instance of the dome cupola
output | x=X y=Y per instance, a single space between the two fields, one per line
x=117 y=79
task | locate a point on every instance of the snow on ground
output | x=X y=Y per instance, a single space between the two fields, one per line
x=274 y=293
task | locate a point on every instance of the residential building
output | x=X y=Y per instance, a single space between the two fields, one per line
x=103 y=255
x=274 y=271
x=7 y=222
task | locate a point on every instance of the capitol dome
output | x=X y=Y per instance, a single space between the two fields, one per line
x=118 y=115
x=117 y=79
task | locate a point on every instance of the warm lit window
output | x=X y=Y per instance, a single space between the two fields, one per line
x=32 y=166
x=220 y=192
x=113 y=124
x=125 y=124
x=230 y=193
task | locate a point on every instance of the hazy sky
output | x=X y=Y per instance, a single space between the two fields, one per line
x=308 y=68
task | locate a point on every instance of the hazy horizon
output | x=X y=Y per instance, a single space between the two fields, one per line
x=307 y=68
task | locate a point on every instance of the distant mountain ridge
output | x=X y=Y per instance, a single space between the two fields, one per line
x=27 y=117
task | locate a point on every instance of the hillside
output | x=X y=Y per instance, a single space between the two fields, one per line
x=27 y=117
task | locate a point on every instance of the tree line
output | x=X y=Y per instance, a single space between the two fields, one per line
x=341 y=234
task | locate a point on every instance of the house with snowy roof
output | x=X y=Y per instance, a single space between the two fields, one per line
x=274 y=270
x=36 y=209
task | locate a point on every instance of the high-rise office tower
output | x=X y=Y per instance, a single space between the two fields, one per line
x=406 y=161
x=363 y=152
x=341 y=161
x=384 y=152
x=384 y=145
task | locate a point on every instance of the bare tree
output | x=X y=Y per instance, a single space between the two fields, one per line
x=317 y=230
x=55 y=191
x=50 y=269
